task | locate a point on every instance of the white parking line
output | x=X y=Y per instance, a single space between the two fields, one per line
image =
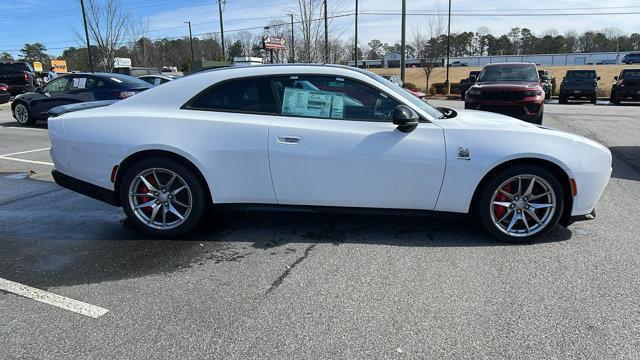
x=52 y=299
x=9 y=157
x=25 y=152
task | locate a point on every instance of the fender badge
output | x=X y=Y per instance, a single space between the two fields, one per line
x=463 y=153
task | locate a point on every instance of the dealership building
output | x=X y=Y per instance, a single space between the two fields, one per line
x=392 y=60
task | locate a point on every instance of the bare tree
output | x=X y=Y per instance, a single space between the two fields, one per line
x=248 y=40
x=108 y=27
x=430 y=45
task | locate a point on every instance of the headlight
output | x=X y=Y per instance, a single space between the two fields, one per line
x=533 y=93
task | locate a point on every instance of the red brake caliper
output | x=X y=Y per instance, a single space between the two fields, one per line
x=501 y=210
x=143 y=190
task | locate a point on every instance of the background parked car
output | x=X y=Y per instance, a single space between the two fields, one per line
x=73 y=88
x=459 y=64
x=632 y=58
x=4 y=93
x=20 y=77
x=579 y=84
x=545 y=81
x=136 y=71
x=626 y=86
x=465 y=84
x=158 y=79
x=512 y=89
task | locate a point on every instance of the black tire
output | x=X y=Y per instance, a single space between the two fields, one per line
x=483 y=206
x=562 y=99
x=594 y=99
x=614 y=99
x=630 y=62
x=198 y=198
x=22 y=114
x=539 y=119
x=467 y=105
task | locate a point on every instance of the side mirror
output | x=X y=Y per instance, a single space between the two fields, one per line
x=473 y=78
x=598 y=78
x=615 y=78
x=406 y=119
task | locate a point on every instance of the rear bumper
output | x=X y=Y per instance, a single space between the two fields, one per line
x=586 y=217
x=85 y=188
x=4 y=98
x=19 y=89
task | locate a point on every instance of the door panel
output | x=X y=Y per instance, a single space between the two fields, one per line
x=330 y=162
x=53 y=95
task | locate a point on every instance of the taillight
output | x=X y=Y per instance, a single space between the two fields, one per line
x=26 y=76
x=124 y=94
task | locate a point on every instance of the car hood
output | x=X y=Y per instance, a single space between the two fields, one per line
x=497 y=122
x=515 y=85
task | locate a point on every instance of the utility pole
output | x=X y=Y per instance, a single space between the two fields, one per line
x=86 y=33
x=448 y=49
x=221 y=4
x=403 y=40
x=326 y=35
x=356 y=36
x=293 y=43
x=190 y=40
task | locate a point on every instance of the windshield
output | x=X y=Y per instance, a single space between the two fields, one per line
x=509 y=73
x=581 y=75
x=408 y=96
x=631 y=74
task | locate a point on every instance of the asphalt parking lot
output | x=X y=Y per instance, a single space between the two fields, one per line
x=261 y=284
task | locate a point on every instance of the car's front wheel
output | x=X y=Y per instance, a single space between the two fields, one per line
x=22 y=114
x=162 y=197
x=520 y=203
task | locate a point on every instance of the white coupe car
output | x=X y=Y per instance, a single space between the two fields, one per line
x=319 y=136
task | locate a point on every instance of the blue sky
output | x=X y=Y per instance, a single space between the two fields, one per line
x=24 y=21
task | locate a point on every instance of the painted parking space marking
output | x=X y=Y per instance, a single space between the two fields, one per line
x=46 y=297
x=11 y=158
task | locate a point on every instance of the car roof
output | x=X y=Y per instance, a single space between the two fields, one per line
x=511 y=64
x=581 y=70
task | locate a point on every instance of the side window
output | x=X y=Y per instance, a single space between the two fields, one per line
x=56 y=85
x=251 y=95
x=333 y=98
x=150 y=80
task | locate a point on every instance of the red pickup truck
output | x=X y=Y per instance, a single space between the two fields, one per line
x=512 y=89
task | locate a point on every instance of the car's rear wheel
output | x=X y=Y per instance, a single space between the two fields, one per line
x=594 y=99
x=520 y=203
x=162 y=197
x=562 y=99
x=614 y=98
x=22 y=114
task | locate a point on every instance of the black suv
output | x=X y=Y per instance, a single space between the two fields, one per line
x=545 y=81
x=465 y=84
x=20 y=77
x=626 y=86
x=579 y=84
x=633 y=58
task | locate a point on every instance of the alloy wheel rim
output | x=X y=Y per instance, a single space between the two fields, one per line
x=523 y=205
x=160 y=198
x=21 y=113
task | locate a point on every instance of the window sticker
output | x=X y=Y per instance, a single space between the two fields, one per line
x=82 y=83
x=312 y=103
x=157 y=81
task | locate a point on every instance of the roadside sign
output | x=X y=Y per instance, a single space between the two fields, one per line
x=274 y=42
x=121 y=62
x=59 y=66
x=37 y=66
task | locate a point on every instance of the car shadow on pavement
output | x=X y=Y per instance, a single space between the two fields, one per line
x=626 y=162
x=38 y=125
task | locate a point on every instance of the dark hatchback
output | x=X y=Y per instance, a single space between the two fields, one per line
x=71 y=89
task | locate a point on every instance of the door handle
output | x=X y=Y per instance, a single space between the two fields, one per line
x=288 y=139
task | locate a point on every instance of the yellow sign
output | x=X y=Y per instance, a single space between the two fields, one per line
x=37 y=66
x=59 y=66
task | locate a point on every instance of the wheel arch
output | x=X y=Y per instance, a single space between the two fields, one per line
x=558 y=171
x=143 y=154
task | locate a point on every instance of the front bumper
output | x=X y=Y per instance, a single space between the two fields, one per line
x=85 y=188
x=528 y=109
x=577 y=93
x=629 y=93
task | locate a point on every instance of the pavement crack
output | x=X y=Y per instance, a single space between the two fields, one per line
x=286 y=273
x=29 y=196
